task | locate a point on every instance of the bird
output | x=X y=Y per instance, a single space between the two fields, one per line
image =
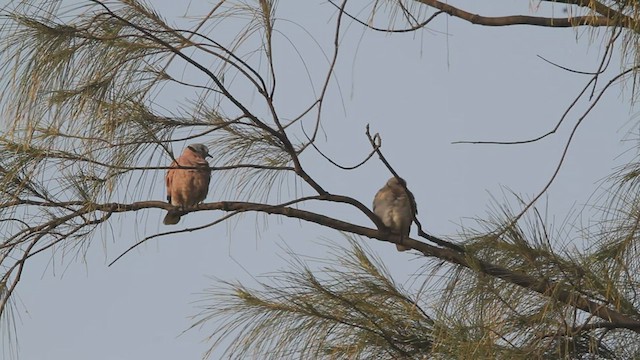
x=187 y=187
x=396 y=207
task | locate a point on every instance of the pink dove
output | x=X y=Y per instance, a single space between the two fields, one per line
x=187 y=187
x=396 y=208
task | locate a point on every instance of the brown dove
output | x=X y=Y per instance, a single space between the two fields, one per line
x=396 y=208
x=187 y=187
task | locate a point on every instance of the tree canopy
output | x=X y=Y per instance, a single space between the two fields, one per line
x=100 y=96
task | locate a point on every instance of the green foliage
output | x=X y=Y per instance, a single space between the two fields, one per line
x=86 y=131
x=350 y=309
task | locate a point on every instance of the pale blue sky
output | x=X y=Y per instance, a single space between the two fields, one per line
x=421 y=92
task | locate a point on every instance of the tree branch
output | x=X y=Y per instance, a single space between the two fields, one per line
x=595 y=21
x=554 y=290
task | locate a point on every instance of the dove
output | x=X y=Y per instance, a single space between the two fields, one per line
x=187 y=187
x=396 y=208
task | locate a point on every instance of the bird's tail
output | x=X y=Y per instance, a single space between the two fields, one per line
x=402 y=247
x=172 y=218
x=399 y=247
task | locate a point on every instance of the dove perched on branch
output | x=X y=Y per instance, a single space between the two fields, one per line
x=396 y=208
x=187 y=187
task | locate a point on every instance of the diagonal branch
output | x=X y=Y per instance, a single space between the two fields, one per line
x=280 y=135
x=555 y=290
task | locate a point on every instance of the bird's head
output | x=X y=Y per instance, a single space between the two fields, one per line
x=200 y=149
x=394 y=181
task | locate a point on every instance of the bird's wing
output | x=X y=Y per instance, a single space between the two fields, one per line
x=412 y=201
x=377 y=199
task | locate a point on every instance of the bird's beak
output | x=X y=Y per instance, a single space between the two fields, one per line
x=208 y=155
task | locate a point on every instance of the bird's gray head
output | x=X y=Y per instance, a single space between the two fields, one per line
x=394 y=181
x=200 y=149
